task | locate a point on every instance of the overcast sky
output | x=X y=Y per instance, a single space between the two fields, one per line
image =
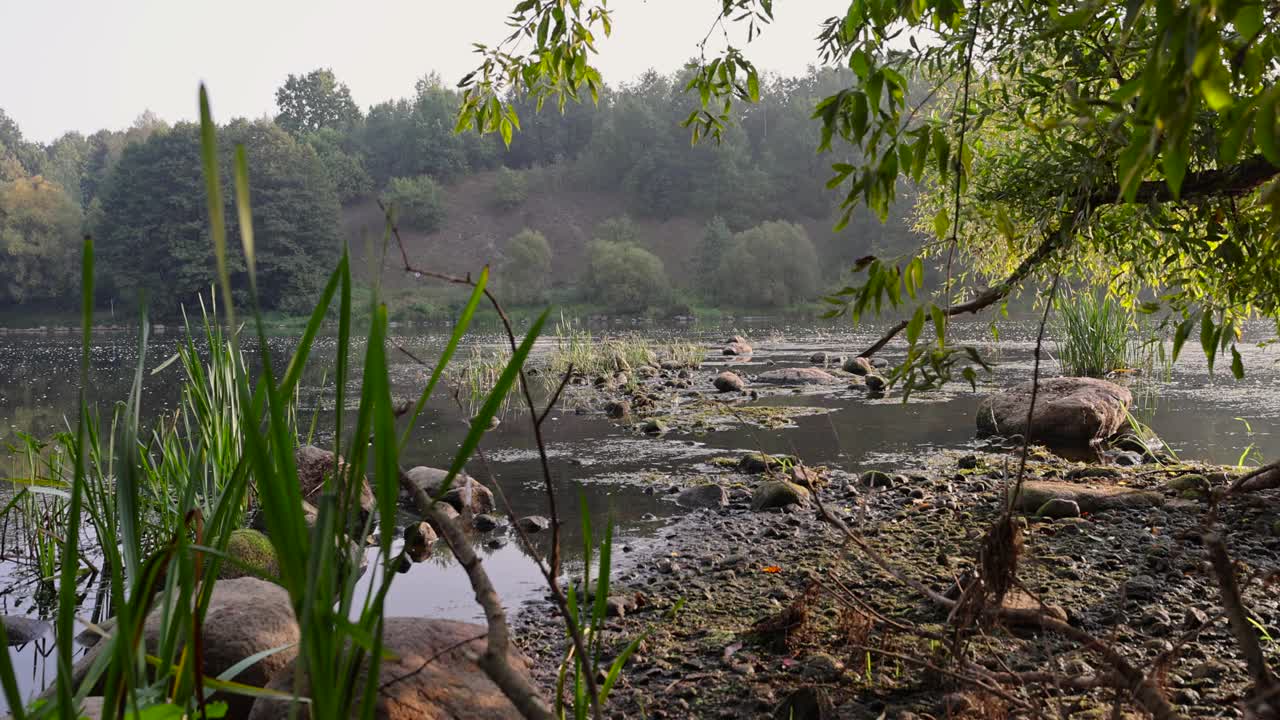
x=89 y=64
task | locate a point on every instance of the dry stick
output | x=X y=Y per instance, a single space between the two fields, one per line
x=1233 y=181
x=970 y=679
x=1241 y=481
x=524 y=381
x=964 y=126
x=1031 y=408
x=494 y=661
x=1144 y=691
x=549 y=486
x=1259 y=671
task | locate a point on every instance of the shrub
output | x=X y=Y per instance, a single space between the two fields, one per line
x=418 y=202
x=625 y=277
x=509 y=190
x=525 y=272
x=772 y=264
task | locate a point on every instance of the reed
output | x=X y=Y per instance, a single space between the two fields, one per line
x=1096 y=336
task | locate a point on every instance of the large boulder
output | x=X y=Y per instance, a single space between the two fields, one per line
x=465 y=493
x=799 y=376
x=316 y=464
x=428 y=672
x=1037 y=495
x=737 y=345
x=246 y=616
x=1070 y=412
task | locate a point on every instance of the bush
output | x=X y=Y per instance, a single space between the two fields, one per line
x=509 y=190
x=525 y=272
x=772 y=264
x=418 y=202
x=39 y=236
x=625 y=277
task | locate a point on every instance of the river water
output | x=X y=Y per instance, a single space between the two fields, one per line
x=619 y=471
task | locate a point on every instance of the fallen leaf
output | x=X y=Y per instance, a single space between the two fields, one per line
x=771 y=569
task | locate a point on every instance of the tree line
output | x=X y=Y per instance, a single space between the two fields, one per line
x=139 y=192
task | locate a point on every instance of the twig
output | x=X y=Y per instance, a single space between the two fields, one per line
x=433 y=658
x=494 y=661
x=1233 y=605
x=551 y=572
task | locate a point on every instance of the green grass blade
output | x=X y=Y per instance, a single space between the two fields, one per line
x=464 y=321
x=480 y=423
x=213 y=196
x=245 y=215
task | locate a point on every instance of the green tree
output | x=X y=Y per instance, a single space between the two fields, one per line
x=315 y=101
x=418 y=202
x=525 y=272
x=18 y=157
x=1139 y=135
x=345 y=168
x=624 y=277
x=152 y=230
x=770 y=265
x=715 y=241
x=509 y=189
x=39 y=240
x=619 y=230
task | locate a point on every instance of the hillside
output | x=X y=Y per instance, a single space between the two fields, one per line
x=475 y=231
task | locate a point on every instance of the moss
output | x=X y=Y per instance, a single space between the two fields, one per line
x=251 y=549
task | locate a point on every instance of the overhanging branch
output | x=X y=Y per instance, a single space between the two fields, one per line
x=1233 y=181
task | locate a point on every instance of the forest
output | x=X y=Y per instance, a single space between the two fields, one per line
x=741 y=205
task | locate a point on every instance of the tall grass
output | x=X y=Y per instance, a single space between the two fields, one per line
x=588 y=355
x=159 y=508
x=1096 y=336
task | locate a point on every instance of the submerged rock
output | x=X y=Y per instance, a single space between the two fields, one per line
x=776 y=494
x=533 y=524
x=22 y=630
x=859 y=366
x=737 y=345
x=1089 y=498
x=418 y=539
x=465 y=492
x=755 y=463
x=1070 y=412
x=799 y=376
x=875 y=383
x=429 y=671
x=728 y=382
x=703 y=496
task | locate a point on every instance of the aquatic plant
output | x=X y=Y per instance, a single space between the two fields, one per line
x=1096 y=335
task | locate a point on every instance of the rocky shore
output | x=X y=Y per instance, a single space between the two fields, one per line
x=752 y=605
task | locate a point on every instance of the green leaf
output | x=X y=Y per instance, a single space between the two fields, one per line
x=1208 y=338
x=1181 y=334
x=941 y=224
x=915 y=326
x=1237 y=363
x=1174 y=163
x=1249 y=20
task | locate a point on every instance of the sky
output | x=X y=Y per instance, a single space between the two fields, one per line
x=88 y=64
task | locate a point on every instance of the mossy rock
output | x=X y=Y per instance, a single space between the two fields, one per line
x=1193 y=486
x=253 y=550
x=756 y=463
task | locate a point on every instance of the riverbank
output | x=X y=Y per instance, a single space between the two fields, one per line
x=750 y=611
